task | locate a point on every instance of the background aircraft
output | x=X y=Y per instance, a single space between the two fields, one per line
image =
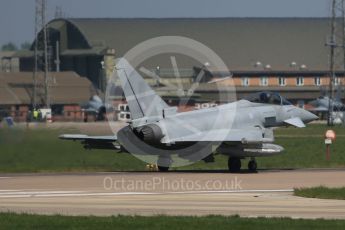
x=321 y=105
x=96 y=107
x=239 y=129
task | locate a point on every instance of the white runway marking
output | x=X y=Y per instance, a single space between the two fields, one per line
x=4 y=177
x=66 y=194
x=22 y=192
x=9 y=190
x=25 y=194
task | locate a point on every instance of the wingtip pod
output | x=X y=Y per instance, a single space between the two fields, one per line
x=72 y=136
x=63 y=136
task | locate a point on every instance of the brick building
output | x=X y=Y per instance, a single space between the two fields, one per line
x=287 y=55
x=67 y=91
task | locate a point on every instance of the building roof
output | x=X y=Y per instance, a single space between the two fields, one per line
x=223 y=93
x=65 y=88
x=7 y=54
x=240 y=42
x=8 y=61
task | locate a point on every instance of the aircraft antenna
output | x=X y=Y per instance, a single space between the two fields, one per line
x=336 y=43
x=42 y=54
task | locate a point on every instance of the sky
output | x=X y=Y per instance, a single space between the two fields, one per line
x=17 y=16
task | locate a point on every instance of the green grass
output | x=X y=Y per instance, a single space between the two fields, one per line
x=39 y=150
x=311 y=129
x=25 y=221
x=304 y=148
x=321 y=192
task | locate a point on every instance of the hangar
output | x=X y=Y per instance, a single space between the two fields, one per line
x=67 y=91
x=287 y=55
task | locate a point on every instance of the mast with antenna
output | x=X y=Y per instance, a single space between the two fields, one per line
x=41 y=54
x=336 y=42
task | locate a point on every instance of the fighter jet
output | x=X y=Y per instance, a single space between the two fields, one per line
x=321 y=104
x=238 y=129
x=95 y=106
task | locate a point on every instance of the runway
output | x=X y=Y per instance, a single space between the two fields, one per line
x=267 y=193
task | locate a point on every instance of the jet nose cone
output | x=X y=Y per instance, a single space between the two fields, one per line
x=307 y=116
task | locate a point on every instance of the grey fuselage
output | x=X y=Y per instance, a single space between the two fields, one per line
x=237 y=115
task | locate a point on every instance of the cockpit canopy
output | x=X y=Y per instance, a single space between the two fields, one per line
x=267 y=97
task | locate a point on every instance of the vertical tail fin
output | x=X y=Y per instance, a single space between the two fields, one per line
x=141 y=99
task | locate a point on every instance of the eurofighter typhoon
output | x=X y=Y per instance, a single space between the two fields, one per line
x=241 y=129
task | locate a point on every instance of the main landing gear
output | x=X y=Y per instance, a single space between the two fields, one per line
x=163 y=164
x=234 y=164
x=163 y=169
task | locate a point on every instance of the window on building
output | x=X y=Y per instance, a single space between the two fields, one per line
x=264 y=81
x=299 y=81
x=336 y=81
x=282 y=81
x=245 y=81
x=317 y=81
x=123 y=107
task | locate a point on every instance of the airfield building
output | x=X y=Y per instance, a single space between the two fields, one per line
x=8 y=63
x=287 y=55
x=67 y=91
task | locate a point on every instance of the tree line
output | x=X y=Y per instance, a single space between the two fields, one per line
x=10 y=46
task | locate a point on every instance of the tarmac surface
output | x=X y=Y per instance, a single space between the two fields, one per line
x=267 y=193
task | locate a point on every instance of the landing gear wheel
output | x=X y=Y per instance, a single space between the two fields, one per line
x=163 y=169
x=252 y=165
x=234 y=164
x=163 y=164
